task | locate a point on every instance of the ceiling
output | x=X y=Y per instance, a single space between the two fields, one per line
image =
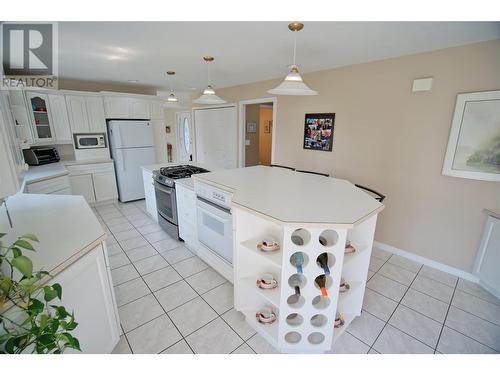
x=116 y=52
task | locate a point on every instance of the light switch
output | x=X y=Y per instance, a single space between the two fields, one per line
x=247 y=142
x=422 y=84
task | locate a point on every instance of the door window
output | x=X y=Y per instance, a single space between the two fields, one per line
x=187 y=143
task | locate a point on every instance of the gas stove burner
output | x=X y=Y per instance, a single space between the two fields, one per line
x=181 y=171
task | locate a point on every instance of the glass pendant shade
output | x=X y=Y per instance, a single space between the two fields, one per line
x=209 y=99
x=293 y=85
x=209 y=96
x=172 y=98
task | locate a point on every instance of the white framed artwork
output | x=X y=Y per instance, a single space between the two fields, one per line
x=474 y=145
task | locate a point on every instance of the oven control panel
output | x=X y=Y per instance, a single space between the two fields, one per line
x=213 y=194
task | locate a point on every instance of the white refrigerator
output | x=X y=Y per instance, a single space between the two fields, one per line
x=132 y=146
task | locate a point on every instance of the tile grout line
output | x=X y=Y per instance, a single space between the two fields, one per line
x=446 y=317
x=185 y=280
x=399 y=303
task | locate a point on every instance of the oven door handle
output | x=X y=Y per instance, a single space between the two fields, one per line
x=206 y=201
x=157 y=186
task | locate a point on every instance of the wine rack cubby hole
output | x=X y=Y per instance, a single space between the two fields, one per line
x=304 y=324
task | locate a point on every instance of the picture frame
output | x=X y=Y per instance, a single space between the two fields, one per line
x=318 y=131
x=268 y=126
x=473 y=149
x=251 y=127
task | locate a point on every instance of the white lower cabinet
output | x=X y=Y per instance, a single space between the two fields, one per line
x=83 y=185
x=488 y=256
x=104 y=186
x=149 y=194
x=95 y=182
x=49 y=186
x=186 y=213
x=88 y=292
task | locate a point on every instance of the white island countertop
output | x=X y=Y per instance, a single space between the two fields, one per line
x=294 y=197
x=65 y=225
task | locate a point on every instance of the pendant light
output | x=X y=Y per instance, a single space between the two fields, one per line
x=293 y=83
x=171 y=98
x=209 y=96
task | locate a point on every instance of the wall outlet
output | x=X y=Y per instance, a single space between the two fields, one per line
x=247 y=142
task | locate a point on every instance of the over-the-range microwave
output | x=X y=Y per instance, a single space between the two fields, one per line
x=85 y=141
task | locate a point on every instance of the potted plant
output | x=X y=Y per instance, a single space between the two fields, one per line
x=30 y=319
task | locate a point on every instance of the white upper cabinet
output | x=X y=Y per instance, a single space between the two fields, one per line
x=86 y=114
x=95 y=112
x=21 y=117
x=156 y=110
x=39 y=108
x=60 y=121
x=11 y=161
x=139 y=109
x=116 y=107
x=77 y=111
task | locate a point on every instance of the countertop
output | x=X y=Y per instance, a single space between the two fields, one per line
x=48 y=171
x=495 y=212
x=62 y=241
x=294 y=197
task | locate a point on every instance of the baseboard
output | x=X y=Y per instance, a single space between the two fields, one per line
x=428 y=262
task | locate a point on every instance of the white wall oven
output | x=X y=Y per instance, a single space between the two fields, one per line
x=214 y=220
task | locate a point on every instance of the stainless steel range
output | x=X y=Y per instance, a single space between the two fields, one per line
x=165 y=194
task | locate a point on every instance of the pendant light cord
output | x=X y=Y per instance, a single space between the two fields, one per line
x=294 y=47
x=208 y=70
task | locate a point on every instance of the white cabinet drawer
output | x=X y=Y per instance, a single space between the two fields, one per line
x=49 y=186
x=78 y=169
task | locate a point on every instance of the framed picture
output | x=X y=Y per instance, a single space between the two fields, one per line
x=318 y=131
x=268 y=126
x=474 y=145
x=251 y=127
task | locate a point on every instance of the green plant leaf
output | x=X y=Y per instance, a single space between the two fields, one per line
x=58 y=289
x=16 y=252
x=24 y=244
x=36 y=306
x=2 y=234
x=5 y=285
x=48 y=293
x=24 y=265
x=10 y=345
x=29 y=236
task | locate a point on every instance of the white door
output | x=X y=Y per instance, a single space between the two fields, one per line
x=128 y=165
x=9 y=152
x=139 y=109
x=77 y=112
x=184 y=136
x=95 y=113
x=104 y=186
x=60 y=119
x=21 y=118
x=216 y=137
x=116 y=107
x=83 y=185
x=88 y=291
x=125 y=134
x=156 y=110
x=39 y=108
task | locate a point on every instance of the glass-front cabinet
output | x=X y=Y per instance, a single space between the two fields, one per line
x=38 y=104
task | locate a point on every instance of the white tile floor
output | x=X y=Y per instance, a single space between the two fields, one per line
x=170 y=301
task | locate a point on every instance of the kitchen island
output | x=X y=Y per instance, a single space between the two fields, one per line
x=71 y=248
x=311 y=217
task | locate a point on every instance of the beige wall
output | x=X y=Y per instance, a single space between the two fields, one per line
x=394 y=141
x=252 y=150
x=265 y=139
